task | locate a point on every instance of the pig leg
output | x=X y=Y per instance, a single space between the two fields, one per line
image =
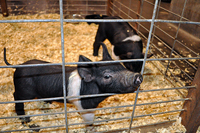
x=24 y=90
x=19 y=108
x=89 y=117
x=90 y=129
x=96 y=47
x=100 y=37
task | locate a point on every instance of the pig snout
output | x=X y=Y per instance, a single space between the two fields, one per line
x=130 y=81
x=133 y=79
x=138 y=79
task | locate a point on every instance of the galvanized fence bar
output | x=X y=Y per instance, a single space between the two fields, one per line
x=154 y=28
x=168 y=11
x=93 y=95
x=175 y=38
x=170 y=47
x=172 y=38
x=173 y=63
x=138 y=127
x=140 y=15
x=156 y=17
x=63 y=62
x=145 y=57
x=174 y=52
x=99 y=20
x=32 y=129
x=157 y=27
x=123 y=118
x=169 y=79
x=161 y=29
x=99 y=121
x=87 y=96
x=100 y=62
x=154 y=20
x=129 y=8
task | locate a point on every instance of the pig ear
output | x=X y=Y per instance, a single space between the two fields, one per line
x=106 y=55
x=83 y=59
x=85 y=70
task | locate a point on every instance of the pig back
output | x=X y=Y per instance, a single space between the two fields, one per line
x=39 y=81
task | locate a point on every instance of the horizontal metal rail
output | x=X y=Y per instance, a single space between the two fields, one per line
x=99 y=121
x=77 y=63
x=93 y=95
x=123 y=118
x=167 y=45
x=68 y=5
x=158 y=28
x=169 y=79
x=121 y=129
x=177 y=40
x=98 y=20
x=170 y=49
x=167 y=10
x=99 y=62
x=134 y=127
x=112 y=9
x=129 y=10
x=95 y=109
x=32 y=129
x=176 y=64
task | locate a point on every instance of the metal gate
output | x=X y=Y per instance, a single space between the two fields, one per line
x=169 y=32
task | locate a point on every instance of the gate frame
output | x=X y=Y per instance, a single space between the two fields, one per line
x=191 y=114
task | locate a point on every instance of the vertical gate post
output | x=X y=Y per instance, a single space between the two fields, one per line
x=191 y=115
x=4 y=8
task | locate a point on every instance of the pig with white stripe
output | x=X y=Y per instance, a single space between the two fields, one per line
x=85 y=79
x=126 y=44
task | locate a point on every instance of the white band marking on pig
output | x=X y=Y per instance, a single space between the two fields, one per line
x=115 y=57
x=73 y=88
x=134 y=38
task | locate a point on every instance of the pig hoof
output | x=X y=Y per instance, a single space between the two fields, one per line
x=48 y=102
x=25 y=120
x=138 y=79
x=34 y=126
x=95 y=54
x=90 y=129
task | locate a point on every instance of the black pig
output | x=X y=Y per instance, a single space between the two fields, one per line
x=46 y=82
x=125 y=40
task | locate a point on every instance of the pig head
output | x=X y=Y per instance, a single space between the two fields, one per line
x=85 y=79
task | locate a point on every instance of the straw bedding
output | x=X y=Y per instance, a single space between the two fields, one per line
x=25 y=41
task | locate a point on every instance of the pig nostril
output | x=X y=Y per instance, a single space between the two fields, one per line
x=138 y=79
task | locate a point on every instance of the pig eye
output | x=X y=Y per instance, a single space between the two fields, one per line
x=107 y=79
x=107 y=76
